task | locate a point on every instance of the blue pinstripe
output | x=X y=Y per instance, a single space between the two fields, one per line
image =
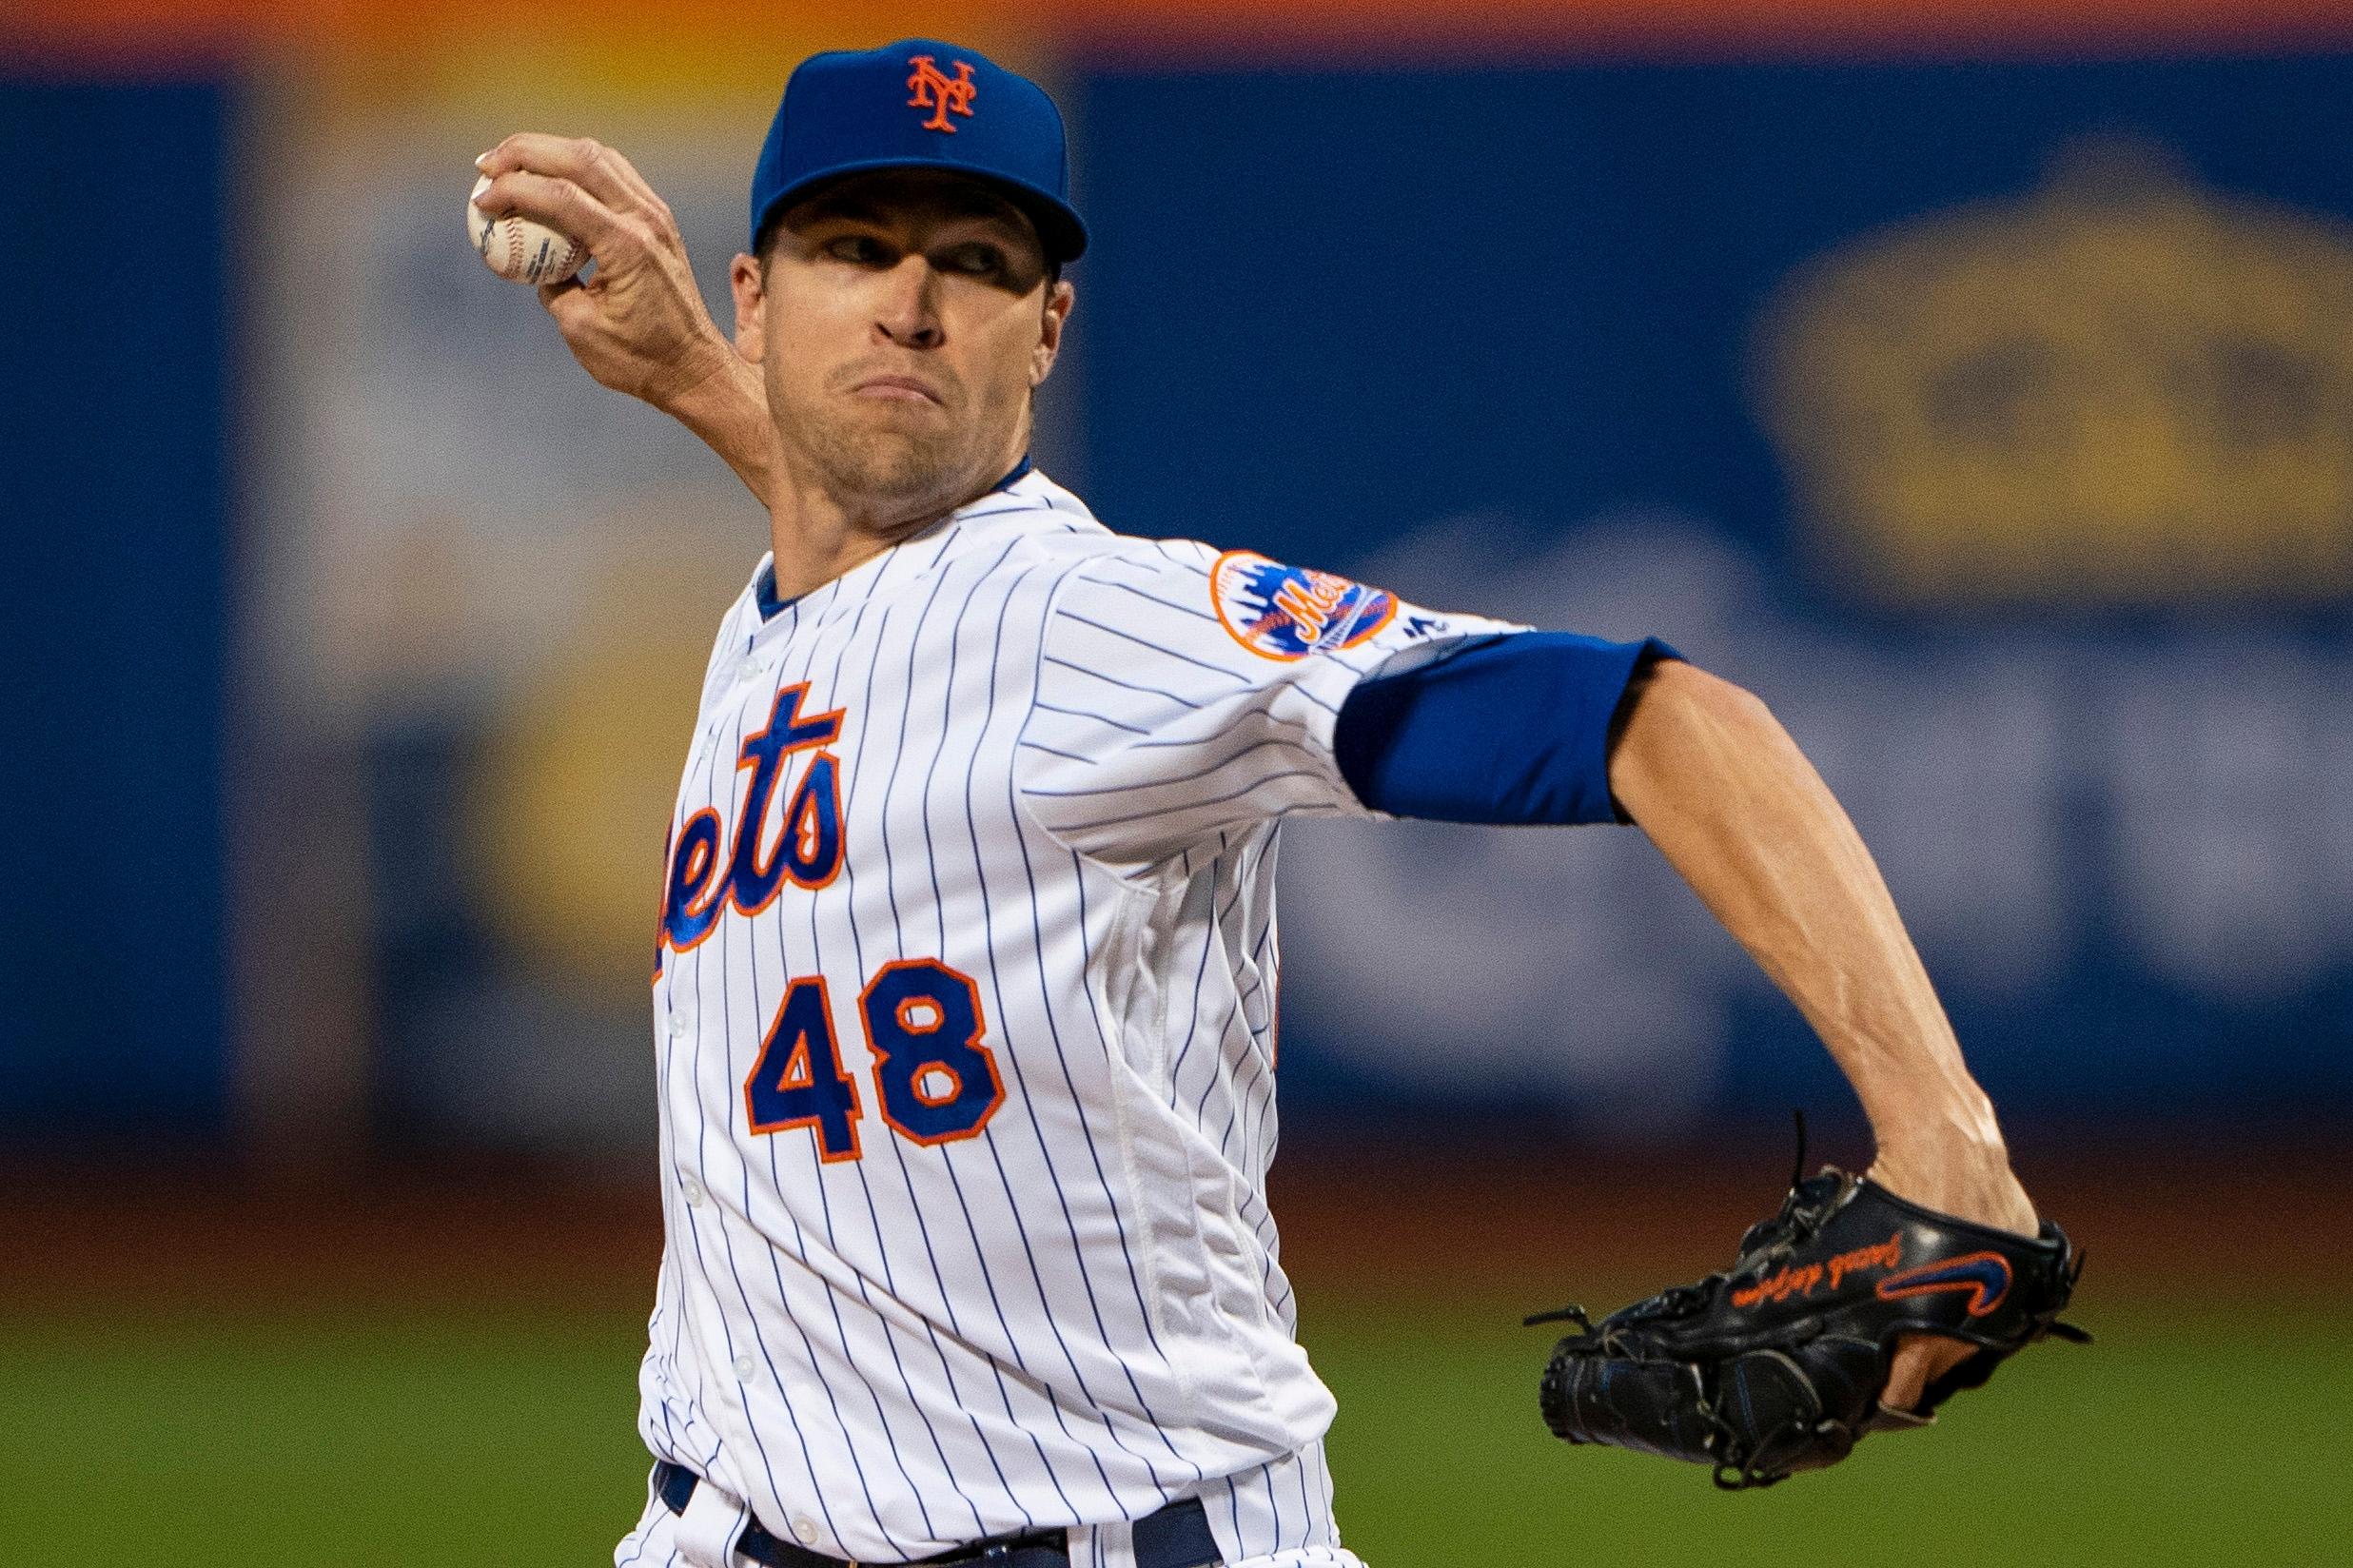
x=1214 y=801
x=1162 y=651
x=807 y=1347
x=727 y=1243
x=989 y=943
x=1099 y=719
x=1222 y=763
x=1193 y=610
x=1126 y=1254
x=1085 y=1278
x=1003 y=1322
x=923 y=1226
x=883 y=1251
x=1123 y=685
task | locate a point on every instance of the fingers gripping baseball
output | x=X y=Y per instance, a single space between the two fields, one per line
x=638 y=323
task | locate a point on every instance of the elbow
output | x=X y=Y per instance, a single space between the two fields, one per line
x=1679 y=723
x=1672 y=693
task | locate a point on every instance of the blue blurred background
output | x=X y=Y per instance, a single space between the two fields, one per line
x=1974 y=382
x=1993 y=419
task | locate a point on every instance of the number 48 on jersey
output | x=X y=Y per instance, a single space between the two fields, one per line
x=936 y=1080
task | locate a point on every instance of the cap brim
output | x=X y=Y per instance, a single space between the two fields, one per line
x=1060 y=230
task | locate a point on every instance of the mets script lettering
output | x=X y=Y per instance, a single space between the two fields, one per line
x=711 y=870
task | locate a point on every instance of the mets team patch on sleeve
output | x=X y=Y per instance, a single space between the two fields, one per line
x=1289 y=611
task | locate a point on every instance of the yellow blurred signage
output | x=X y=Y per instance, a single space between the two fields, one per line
x=2122 y=388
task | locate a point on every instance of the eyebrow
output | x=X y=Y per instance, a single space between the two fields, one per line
x=958 y=204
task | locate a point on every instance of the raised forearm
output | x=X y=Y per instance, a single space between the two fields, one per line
x=727 y=409
x=638 y=323
x=1737 y=809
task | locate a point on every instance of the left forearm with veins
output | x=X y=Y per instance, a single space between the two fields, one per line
x=1733 y=805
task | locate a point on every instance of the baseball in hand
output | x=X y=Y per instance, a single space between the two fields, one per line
x=518 y=250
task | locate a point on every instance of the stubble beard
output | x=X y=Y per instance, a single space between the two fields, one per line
x=890 y=466
x=872 y=465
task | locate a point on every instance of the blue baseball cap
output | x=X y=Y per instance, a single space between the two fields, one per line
x=920 y=104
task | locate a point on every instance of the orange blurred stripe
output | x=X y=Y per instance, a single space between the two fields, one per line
x=1426 y=27
x=135 y=29
x=151 y=28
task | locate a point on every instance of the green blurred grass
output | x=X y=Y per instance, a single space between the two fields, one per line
x=2173 y=1440
x=506 y=1438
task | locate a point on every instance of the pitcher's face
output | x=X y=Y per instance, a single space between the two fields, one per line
x=906 y=316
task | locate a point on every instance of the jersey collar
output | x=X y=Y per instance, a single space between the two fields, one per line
x=764 y=585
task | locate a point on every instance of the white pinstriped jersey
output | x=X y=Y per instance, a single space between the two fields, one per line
x=965 y=1017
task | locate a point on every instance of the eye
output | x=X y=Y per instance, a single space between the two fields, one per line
x=857 y=250
x=975 y=259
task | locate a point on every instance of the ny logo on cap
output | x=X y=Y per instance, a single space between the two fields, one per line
x=939 y=93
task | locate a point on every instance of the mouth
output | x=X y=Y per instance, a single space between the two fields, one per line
x=909 y=389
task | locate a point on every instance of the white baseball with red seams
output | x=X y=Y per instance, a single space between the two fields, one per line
x=519 y=250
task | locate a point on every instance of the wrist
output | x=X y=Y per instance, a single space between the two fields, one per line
x=1957 y=1135
x=1935 y=1118
x=1960 y=1168
x=1926 y=1167
x=726 y=410
x=706 y=386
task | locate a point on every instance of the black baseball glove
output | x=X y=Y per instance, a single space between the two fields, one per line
x=1776 y=1365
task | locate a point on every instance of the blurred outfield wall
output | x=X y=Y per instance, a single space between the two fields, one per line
x=116 y=508
x=1993 y=420
x=1992 y=416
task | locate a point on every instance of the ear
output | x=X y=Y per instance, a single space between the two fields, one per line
x=751 y=291
x=1059 y=299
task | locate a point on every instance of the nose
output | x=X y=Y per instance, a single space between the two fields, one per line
x=908 y=313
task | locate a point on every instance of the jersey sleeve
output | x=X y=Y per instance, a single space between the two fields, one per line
x=1180 y=693
x=1516 y=730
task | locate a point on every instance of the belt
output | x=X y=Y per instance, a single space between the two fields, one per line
x=1176 y=1536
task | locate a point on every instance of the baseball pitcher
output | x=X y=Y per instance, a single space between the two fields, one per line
x=964 y=982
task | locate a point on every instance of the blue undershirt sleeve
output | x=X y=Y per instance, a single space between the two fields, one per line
x=1515 y=730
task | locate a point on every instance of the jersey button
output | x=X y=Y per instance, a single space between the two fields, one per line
x=680 y=1027
x=692 y=1190
x=748 y=670
x=743 y=1367
x=804 y=1529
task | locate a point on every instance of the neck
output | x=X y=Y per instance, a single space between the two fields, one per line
x=818 y=534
